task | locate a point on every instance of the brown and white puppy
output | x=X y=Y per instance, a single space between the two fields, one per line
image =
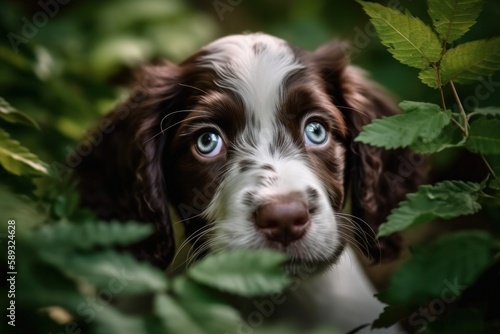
x=251 y=140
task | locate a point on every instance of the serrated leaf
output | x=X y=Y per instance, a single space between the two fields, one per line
x=37 y=280
x=428 y=77
x=435 y=122
x=468 y=62
x=453 y=18
x=444 y=267
x=450 y=136
x=174 y=318
x=103 y=269
x=409 y=39
x=188 y=290
x=484 y=136
x=11 y=115
x=17 y=159
x=109 y=320
x=206 y=306
x=213 y=318
x=447 y=199
x=486 y=111
x=243 y=272
x=88 y=235
x=422 y=123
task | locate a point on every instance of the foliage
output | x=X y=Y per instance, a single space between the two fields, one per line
x=461 y=261
x=59 y=79
x=65 y=264
x=69 y=264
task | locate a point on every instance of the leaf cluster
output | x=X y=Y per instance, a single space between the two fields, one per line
x=449 y=267
x=77 y=267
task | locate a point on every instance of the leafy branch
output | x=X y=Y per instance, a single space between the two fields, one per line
x=429 y=128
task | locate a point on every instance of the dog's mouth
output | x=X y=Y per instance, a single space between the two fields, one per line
x=305 y=268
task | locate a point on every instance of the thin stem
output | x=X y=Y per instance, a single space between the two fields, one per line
x=462 y=110
x=487 y=196
x=440 y=87
x=459 y=125
x=441 y=93
x=489 y=166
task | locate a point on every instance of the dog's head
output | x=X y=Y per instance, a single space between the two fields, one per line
x=251 y=140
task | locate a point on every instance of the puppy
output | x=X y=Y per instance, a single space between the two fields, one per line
x=251 y=142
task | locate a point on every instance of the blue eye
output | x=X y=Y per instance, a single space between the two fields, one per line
x=209 y=144
x=315 y=133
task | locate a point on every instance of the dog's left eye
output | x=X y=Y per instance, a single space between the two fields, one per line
x=315 y=133
x=209 y=144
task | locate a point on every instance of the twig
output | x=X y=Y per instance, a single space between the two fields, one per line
x=462 y=110
x=441 y=93
x=440 y=87
x=488 y=166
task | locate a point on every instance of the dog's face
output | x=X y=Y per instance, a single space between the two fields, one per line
x=251 y=140
x=264 y=145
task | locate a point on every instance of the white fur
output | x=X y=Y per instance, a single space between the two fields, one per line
x=341 y=296
x=258 y=78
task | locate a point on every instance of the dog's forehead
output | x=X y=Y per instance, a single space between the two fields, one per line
x=255 y=67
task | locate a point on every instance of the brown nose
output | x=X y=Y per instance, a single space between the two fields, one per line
x=284 y=220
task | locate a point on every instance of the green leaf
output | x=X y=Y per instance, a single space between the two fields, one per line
x=487 y=111
x=466 y=63
x=206 y=306
x=188 y=290
x=441 y=269
x=88 y=235
x=484 y=136
x=428 y=77
x=20 y=208
x=450 y=136
x=243 y=272
x=39 y=283
x=174 y=318
x=453 y=18
x=422 y=122
x=109 y=320
x=10 y=114
x=108 y=268
x=409 y=40
x=213 y=318
x=18 y=159
x=494 y=184
x=447 y=199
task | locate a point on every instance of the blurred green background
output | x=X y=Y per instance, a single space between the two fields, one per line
x=66 y=63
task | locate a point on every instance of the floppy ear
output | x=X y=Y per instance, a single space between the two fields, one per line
x=122 y=177
x=379 y=179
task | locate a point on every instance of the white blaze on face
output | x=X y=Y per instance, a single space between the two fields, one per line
x=255 y=67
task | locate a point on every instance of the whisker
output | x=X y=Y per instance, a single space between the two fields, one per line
x=363 y=238
x=364 y=113
x=176 y=112
x=355 y=220
x=163 y=130
x=193 y=87
x=191 y=217
x=186 y=243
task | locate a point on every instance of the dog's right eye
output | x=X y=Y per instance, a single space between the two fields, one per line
x=209 y=144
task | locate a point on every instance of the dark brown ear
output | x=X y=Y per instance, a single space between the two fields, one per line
x=122 y=177
x=378 y=179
